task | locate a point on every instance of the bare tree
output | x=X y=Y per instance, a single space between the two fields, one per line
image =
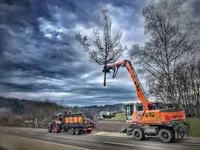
x=107 y=50
x=169 y=49
x=40 y=110
x=188 y=87
x=184 y=92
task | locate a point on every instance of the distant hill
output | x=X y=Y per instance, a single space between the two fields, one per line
x=114 y=107
x=43 y=109
x=30 y=108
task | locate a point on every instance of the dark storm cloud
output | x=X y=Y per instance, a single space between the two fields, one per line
x=29 y=87
x=20 y=14
x=94 y=89
x=40 y=58
x=196 y=5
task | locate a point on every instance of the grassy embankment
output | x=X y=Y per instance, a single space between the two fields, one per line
x=118 y=117
x=193 y=122
x=194 y=127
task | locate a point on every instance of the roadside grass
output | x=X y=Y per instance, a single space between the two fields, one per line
x=118 y=117
x=194 y=129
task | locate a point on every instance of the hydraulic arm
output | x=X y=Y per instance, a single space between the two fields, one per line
x=126 y=63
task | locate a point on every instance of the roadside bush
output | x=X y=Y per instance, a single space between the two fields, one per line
x=4 y=120
x=193 y=125
x=7 y=118
x=16 y=121
x=5 y=114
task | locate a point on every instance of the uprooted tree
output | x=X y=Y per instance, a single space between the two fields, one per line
x=105 y=51
x=170 y=48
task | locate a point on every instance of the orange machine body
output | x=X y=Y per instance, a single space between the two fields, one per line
x=157 y=117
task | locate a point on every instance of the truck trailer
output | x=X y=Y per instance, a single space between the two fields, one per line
x=74 y=123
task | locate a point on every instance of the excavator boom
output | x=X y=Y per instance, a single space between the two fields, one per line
x=126 y=63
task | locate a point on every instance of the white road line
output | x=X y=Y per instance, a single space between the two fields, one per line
x=99 y=133
x=110 y=134
x=32 y=133
x=17 y=132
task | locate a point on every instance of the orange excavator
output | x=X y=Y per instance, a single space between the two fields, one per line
x=150 y=118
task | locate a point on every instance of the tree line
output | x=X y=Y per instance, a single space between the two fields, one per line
x=170 y=59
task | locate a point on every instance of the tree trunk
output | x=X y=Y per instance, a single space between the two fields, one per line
x=198 y=110
x=104 y=79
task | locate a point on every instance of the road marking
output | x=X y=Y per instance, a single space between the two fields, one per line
x=17 y=132
x=32 y=133
x=99 y=133
x=111 y=134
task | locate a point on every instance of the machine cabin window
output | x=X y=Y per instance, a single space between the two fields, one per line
x=140 y=107
x=129 y=109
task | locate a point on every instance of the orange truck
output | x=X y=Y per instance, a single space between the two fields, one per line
x=74 y=123
x=147 y=118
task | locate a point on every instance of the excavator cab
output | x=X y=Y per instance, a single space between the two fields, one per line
x=138 y=107
x=133 y=108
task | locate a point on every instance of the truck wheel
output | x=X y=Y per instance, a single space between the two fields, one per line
x=77 y=131
x=56 y=128
x=89 y=131
x=138 y=134
x=65 y=129
x=166 y=135
x=72 y=131
x=49 y=128
x=181 y=132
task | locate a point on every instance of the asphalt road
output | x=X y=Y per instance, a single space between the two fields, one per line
x=102 y=140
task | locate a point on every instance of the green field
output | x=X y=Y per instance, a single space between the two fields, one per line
x=118 y=117
x=194 y=127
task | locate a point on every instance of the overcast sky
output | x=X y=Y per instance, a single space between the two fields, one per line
x=40 y=58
